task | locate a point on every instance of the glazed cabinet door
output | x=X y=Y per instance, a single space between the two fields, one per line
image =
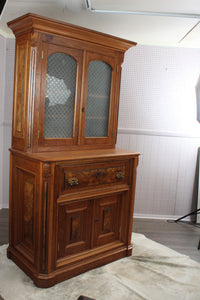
x=60 y=93
x=99 y=99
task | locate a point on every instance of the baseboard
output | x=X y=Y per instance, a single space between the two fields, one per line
x=4 y=205
x=162 y=217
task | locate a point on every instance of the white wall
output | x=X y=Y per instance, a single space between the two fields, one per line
x=2 y=91
x=157 y=117
x=6 y=97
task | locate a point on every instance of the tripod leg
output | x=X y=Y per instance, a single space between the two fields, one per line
x=192 y=213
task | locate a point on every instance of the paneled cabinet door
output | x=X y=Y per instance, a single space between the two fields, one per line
x=99 y=99
x=107 y=219
x=74 y=227
x=59 y=106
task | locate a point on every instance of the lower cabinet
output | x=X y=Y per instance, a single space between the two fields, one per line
x=70 y=216
x=86 y=224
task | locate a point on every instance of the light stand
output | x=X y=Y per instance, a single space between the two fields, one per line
x=197 y=211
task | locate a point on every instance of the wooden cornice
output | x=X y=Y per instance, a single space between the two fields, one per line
x=32 y=22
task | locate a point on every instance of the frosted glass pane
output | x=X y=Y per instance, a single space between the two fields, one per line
x=60 y=92
x=98 y=99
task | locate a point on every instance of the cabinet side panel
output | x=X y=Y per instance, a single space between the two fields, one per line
x=20 y=89
x=24 y=218
x=20 y=94
x=24 y=212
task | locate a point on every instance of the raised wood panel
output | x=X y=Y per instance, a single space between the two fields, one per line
x=28 y=210
x=21 y=83
x=24 y=220
x=74 y=227
x=20 y=89
x=107 y=219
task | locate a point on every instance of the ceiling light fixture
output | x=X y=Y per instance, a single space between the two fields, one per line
x=146 y=13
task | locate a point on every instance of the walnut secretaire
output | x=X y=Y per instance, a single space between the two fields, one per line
x=71 y=191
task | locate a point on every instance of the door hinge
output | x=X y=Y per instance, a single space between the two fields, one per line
x=42 y=54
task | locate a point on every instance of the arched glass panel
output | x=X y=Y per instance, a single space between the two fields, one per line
x=98 y=99
x=60 y=93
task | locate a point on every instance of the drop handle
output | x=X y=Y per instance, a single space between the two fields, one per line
x=120 y=175
x=99 y=174
x=73 y=181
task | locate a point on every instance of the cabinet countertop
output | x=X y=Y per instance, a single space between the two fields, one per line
x=77 y=154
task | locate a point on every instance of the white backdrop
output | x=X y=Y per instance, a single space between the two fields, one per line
x=157 y=117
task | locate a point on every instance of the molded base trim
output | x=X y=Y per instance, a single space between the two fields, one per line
x=48 y=280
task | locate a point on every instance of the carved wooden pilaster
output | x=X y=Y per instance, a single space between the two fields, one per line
x=31 y=96
x=46 y=174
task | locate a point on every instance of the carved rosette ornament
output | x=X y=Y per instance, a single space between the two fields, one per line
x=46 y=171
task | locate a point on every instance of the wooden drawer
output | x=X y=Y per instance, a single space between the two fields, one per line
x=72 y=178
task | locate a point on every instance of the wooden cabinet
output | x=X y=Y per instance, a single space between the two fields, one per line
x=71 y=191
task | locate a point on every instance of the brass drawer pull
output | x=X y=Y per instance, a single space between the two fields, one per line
x=73 y=181
x=119 y=175
x=99 y=174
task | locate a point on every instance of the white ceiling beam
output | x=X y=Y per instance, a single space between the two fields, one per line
x=147 y=13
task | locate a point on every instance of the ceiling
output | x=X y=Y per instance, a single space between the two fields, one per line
x=150 y=22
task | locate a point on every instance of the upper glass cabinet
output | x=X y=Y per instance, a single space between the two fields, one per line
x=67 y=86
x=98 y=99
x=60 y=96
x=61 y=86
x=77 y=98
